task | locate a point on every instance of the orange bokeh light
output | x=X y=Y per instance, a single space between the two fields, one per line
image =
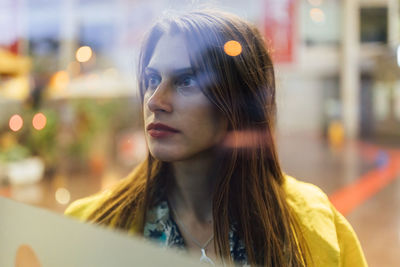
x=60 y=79
x=39 y=121
x=16 y=122
x=233 y=48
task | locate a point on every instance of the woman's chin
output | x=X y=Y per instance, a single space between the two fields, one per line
x=166 y=156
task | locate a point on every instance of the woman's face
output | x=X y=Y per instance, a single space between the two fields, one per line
x=180 y=122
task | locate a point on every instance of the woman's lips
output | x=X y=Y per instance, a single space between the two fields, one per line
x=159 y=130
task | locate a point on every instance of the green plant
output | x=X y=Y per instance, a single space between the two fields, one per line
x=14 y=153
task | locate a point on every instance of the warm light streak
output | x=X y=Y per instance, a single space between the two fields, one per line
x=39 y=121
x=247 y=138
x=16 y=122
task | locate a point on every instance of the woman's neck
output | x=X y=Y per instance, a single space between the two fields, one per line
x=192 y=192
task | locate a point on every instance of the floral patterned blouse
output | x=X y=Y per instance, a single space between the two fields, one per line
x=161 y=228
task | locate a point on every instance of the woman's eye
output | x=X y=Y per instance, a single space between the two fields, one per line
x=187 y=84
x=153 y=81
x=188 y=81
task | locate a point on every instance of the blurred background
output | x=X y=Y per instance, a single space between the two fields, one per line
x=70 y=122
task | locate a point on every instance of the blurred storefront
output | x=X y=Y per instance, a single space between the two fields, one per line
x=71 y=65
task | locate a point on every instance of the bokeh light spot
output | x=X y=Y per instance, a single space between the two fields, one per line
x=39 y=121
x=83 y=54
x=60 y=79
x=232 y=48
x=16 y=122
x=63 y=196
x=317 y=15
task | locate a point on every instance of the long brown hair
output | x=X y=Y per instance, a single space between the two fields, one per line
x=249 y=189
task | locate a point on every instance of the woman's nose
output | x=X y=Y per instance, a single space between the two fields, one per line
x=160 y=100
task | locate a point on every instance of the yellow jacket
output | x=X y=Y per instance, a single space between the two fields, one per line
x=329 y=236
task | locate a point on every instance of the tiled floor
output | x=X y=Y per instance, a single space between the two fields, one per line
x=308 y=158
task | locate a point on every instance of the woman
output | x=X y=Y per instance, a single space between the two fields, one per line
x=212 y=183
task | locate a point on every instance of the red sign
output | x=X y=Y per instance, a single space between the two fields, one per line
x=279 y=29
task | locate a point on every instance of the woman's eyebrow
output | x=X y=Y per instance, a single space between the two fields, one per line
x=150 y=70
x=179 y=72
x=176 y=72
